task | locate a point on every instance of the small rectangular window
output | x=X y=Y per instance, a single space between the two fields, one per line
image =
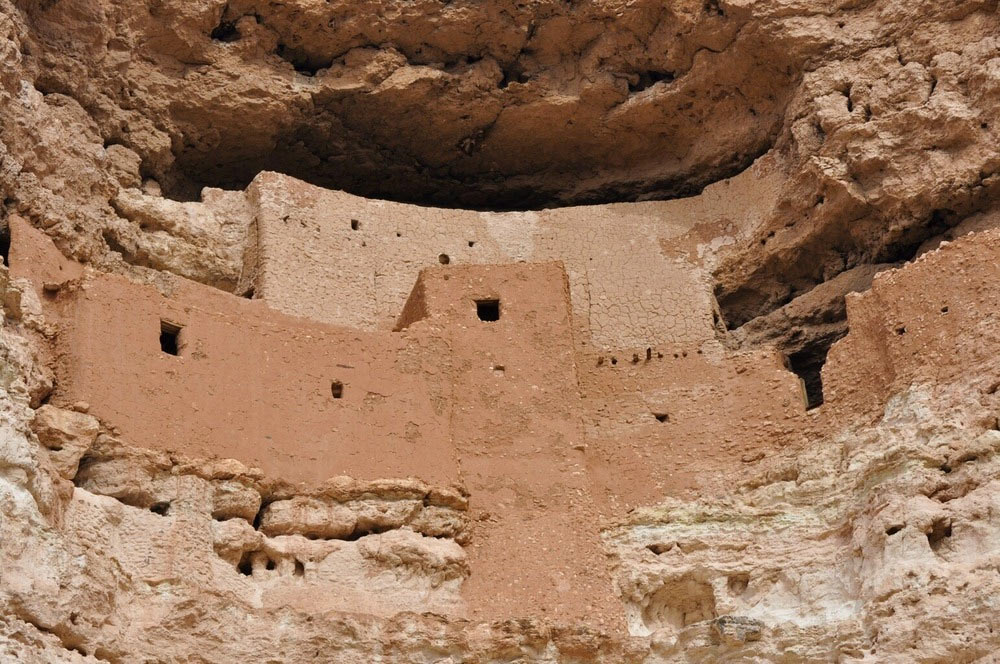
x=488 y=310
x=170 y=338
x=337 y=388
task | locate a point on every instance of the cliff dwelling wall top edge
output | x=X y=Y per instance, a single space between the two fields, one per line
x=635 y=278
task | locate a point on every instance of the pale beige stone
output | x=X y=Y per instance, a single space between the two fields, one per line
x=67 y=436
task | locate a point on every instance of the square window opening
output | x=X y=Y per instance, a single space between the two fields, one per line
x=337 y=389
x=170 y=338
x=488 y=310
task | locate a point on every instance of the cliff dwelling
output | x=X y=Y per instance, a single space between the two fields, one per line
x=481 y=332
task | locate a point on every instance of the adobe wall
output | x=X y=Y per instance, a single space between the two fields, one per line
x=451 y=399
x=518 y=432
x=637 y=271
x=249 y=382
x=256 y=385
x=927 y=323
x=685 y=420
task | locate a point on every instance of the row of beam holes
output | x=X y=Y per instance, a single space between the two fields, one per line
x=444 y=259
x=636 y=358
x=660 y=417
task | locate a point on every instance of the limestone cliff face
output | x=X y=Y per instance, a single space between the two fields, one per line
x=747 y=410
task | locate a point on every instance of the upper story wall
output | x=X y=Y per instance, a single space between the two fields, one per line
x=637 y=272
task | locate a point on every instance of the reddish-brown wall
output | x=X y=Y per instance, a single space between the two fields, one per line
x=451 y=398
x=924 y=324
x=518 y=431
x=687 y=418
x=256 y=385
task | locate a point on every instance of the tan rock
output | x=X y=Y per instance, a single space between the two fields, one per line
x=233 y=538
x=234 y=500
x=67 y=435
x=309 y=517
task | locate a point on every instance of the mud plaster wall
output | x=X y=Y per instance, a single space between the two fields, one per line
x=258 y=385
x=266 y=404
x=452 y=399
x=637 y=271
x=518 y=434
x=934 y=333
x=248 y=382
x=665 y=421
